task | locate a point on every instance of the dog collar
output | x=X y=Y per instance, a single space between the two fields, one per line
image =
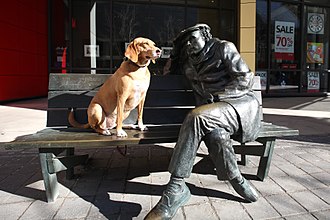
x=135 y=64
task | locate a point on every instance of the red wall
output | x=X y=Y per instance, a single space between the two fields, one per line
x=23 y=49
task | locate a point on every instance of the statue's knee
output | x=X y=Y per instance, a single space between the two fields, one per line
x=193 y=115
x=195 y=112
x=220 y=134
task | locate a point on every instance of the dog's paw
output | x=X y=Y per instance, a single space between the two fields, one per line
x=106 y=132
x=143 y=128
x=121 y=133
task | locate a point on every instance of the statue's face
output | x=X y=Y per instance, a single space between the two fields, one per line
x=194 y=42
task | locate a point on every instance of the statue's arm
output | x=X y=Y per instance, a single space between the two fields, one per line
x=242 y=75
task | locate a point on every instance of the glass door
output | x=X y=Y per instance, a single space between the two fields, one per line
x=90 y=29
x=316 y=63
x=285 y=42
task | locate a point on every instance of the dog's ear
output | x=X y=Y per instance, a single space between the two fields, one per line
x=132 y=52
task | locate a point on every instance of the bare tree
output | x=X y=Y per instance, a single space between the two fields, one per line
x=170 y=29
x=128 y=23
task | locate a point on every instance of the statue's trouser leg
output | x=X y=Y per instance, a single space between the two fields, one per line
x=222 y=153
x=206 y=121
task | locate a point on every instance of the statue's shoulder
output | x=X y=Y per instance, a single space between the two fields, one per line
x=217 y=40
x=225 y=45
x=222 y=43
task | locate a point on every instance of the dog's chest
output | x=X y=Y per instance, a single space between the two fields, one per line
x=139 y=89
x=140 y=85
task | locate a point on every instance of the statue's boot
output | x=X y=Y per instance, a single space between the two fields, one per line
x=244 y=189
x=176 y=195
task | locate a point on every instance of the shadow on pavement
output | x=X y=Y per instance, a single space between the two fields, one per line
x=103 y=182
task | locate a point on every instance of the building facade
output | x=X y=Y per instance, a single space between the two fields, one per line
x=286 y=42
x=23 y=49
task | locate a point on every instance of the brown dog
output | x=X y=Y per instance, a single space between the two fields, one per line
x=123 y=91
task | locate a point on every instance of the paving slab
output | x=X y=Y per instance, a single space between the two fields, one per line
x=113 y=186
x=285 y=204
x=310 y=201
x=261 y=210
x=200 y=211
x=9 y=212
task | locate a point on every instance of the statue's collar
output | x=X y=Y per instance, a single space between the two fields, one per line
x=203 y=55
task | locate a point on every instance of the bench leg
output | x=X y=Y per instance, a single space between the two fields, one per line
x=265 y=160
x=70 y=170
x=243 y=160
x=51 y=163
x=50 y=179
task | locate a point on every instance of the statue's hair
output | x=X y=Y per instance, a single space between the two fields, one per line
x=206 y=33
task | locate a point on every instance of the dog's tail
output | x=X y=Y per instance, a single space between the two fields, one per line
x=73 y=121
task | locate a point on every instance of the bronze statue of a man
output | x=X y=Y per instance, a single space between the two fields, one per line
x=225 y=106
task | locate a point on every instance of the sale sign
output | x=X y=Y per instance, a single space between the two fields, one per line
x=313 y=81
x=284 y=37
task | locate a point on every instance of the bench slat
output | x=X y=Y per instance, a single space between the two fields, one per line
x=81 y=99
x=271 y=130
x=69 y=99
x=76 y=81
x=58 y=117
x=73 y=82
x=73 y=137
x=169 y=98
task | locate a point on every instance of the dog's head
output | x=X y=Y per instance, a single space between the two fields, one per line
x=142 y=50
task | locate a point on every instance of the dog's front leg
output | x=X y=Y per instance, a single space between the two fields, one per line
x=120 y=116
x=141 y=126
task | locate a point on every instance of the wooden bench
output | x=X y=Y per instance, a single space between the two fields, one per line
x=168 y=100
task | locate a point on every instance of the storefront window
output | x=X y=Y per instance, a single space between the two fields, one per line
x=60 y=40
x=130 y=21
x=169 y=1
x=227 y=26
x=91 y=35
x=320 y=2
x=213 y=3
x=203 y=15
x=285 y=47
x=90 y=31
x=317 y=49
x=229 y=4
x=285 y=35
x=295 y=39
x=262 y=39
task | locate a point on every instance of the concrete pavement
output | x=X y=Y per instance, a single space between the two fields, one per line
x=112 y=186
